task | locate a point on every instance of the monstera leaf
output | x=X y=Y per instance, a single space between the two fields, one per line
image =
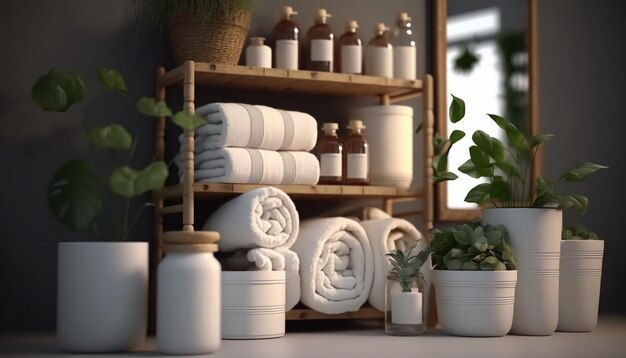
x=58 y=90
x=73 y=196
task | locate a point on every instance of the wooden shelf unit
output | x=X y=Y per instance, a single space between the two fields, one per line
x=195 y=74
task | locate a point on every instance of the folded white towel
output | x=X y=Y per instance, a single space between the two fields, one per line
x=336 y=264
x=255 y=126
x=278 y=260
x=386 y=235
x=255 y=166
x=264 y=217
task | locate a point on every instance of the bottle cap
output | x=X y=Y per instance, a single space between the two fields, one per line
x=356 y=124
x=328 y=127
x=403 y=17
x=322 y=15
x=288 y=11
x=257 y=41
x=352 y=25
x=380 y=28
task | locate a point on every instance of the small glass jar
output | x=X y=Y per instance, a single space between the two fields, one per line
x=404 y=306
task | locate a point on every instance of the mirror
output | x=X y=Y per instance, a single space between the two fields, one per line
x=485 y=53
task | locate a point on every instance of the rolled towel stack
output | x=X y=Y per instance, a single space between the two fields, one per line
x=265 y=223
x=254 y=144
x=336 y=264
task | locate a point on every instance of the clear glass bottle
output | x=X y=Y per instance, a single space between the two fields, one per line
x=404 y=49
x=329 y=153
x=349 y=51
x=379 y=54
x=320 y=43
x=356 y=156
x=404 y=311
x=286 y=34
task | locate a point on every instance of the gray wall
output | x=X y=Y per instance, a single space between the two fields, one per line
x=581 y=83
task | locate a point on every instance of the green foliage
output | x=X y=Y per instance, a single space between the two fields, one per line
x=74 y=197
x=161 y=12
x=578 y=232
x=405 y=265
x=506 y=167
x=472 y=247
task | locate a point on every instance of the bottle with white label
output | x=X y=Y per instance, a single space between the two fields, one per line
x=379 y=54
x=320 y=43
x=286 y=34
x=330 y=155
x=349 y=51
x=404 y=49
x=258 y=54
x=356 y=157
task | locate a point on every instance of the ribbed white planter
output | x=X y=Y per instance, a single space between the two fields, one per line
x=579 y=284
x=475 y=303
x=102 y=295
x=535 y=235
x=253 y=304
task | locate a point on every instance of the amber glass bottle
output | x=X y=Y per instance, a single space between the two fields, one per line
x=286 y=35
x=348 y=54
x=379 y=54
x=320 y=43
x=330 y=155
x=356 y=156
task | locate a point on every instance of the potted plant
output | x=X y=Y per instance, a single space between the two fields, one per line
x=404 y=293
x=579 y=283
x=211 y=31
x=474 y=273
x=102 y=286
x=531 y=213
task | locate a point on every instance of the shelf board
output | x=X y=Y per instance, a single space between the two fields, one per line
x=202 y=190
x=272 y=79
x=309 y=314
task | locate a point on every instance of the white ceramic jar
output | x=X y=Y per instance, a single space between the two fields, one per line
x=189 y=300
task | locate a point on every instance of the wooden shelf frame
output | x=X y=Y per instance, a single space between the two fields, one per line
x=192 y=74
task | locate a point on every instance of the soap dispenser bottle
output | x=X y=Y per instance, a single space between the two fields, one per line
x=286 y=34
x=320 y=43
x=379 y=54
x=349 y=50
x=404 y=49
x=356 y=157
x=330 y=155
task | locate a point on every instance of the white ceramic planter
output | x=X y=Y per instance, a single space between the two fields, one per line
x=535 y=235
x=389 y=134
x=475 y=303
x=579 y=284
x=102 y=295
x=253 y=304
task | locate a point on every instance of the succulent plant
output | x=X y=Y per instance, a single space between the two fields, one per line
x=405 y=265
x=578 y=232
x=472 y=247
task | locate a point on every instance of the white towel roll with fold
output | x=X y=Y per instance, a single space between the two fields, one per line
x=336 y=264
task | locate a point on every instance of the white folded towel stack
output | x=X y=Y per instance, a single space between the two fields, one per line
x=386 y=235
x=336 y=264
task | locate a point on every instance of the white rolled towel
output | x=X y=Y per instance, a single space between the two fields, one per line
x=255 y=126
x=255 y=166
x=280 y=259
x=336 y=264
x=264 y=217
x=386 y=235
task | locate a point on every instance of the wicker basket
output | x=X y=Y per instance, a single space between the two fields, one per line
x=213 y=42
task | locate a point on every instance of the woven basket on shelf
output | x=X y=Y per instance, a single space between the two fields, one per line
x=214 y=42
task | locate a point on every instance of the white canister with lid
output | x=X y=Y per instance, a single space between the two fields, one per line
x=258 y=54
x=189 y=295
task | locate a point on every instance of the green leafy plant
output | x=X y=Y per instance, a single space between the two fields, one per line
x=405 y=265
x=472 y=247
x=161 y=12
x=578 y=232
x=74 y=193
x=507 y=167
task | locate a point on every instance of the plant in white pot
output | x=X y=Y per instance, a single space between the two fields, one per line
x=474 y=273
x=531 y=213
x=579 y=284
x=102 y=285
x=404 y=293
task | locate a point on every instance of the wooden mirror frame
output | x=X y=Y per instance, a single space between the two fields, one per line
x=440 y=13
